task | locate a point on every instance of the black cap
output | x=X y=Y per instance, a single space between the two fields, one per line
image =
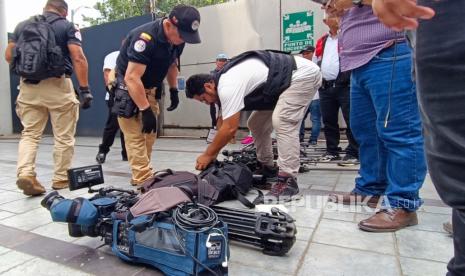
x=187 y=19
x=309 y=48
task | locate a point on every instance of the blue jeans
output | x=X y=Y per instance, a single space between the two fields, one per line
x=387 y=127
x=315 y=117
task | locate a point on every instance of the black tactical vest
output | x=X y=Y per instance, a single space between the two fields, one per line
x=280 y=65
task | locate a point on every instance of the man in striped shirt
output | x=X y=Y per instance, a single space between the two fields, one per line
x=384 y=118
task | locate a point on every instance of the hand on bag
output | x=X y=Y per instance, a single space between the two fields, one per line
x=174 y=99
x=400 y=14
x=149 y=122
x=86 y=97
x=203 y=161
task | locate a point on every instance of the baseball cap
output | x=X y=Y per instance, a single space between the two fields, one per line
x=187 y=20
x=221 y=56
x=309 y=48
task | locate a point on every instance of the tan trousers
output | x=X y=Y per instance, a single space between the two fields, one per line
x=285 y=119
x=139 y=145
x=54 y=97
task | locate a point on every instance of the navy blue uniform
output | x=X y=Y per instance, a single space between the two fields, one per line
x=148 y=45
x=65 y=33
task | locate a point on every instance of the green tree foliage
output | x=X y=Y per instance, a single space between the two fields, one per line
x=112 y=10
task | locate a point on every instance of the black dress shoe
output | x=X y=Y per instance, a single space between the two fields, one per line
x=100 y=158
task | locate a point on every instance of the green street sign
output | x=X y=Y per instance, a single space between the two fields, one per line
x=297 y=31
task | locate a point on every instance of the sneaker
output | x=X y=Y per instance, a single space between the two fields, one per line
x=349 y=160
x=30 y=185
x=286 y=189
x=247 y=140
x=328 y=157
x=100 y=158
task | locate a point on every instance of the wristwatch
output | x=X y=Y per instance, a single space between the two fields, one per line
x=358 y=3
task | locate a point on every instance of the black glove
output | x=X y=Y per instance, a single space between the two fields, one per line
x=174 y=99
x=86 y=97
x=149 y=122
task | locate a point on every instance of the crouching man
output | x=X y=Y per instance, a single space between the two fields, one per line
x=278 y=88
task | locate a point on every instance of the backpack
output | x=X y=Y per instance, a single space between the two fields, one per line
x=186 y=181
x=36 y=55
x=225 y=181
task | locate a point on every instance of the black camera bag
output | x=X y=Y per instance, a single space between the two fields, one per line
x=225 y=181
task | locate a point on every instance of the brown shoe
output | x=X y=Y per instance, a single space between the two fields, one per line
x=354 y=198
x=62 y=184
x=30 y=185
x=389 y=220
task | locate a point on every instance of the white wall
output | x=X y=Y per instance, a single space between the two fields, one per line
x=233 y=28
x=6 y=126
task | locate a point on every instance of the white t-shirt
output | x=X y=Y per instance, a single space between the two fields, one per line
x=330 y=62
x=110 y=63
x=242 y=79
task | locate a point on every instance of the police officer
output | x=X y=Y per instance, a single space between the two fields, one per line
x=149 y=54
x=54 y=97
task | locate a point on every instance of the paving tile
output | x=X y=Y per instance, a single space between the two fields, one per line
x=347 y=234
x=337 y=215
x=3 y=250
x=240 y=269
x=50 y=249
x=44 y=268
x=8 y=196
x=11 y=237
x=4 y=214
x=327 y=260
x=436 y=210
x=322 y=187
x=149 y=271
x=12 y=259
x=99 y=263
x=22 y=205
x=254 y=258
x=30 y=220
x=304 y=233
x=431 y=222
x=306 y=217
x=424 y=245
x=89 y=242
x=55 y=230
x=414 y=267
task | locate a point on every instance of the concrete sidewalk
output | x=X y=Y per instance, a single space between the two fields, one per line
x=328 y=241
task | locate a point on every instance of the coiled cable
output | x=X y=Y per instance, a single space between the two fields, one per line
x=192 y=217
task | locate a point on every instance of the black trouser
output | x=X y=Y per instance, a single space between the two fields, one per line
x=109 y=133
x=440 y=60
x=331 y=99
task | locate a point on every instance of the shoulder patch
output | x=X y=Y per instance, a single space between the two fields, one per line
x=77 y=34
x=145 y=36
x=139 y=45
